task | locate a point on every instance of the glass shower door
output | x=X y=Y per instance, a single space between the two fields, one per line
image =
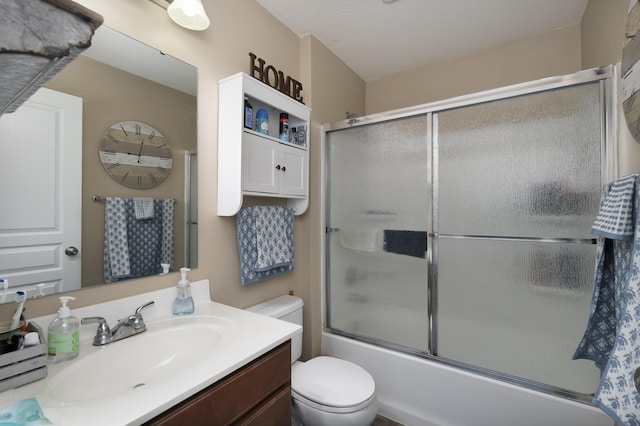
x=377 y=212
x=517 y=185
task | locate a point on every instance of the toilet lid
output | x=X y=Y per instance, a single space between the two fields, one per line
x=332 y=382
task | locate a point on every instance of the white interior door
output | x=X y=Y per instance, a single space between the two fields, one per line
x=40 y=191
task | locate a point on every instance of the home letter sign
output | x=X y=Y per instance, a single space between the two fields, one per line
x=274 y=78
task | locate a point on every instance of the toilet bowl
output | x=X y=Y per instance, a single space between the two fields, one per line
x=331 y=391
x=326 y=391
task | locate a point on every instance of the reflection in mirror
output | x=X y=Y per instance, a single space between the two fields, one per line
x=52 y=225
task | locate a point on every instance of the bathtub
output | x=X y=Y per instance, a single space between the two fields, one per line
x=415 y=391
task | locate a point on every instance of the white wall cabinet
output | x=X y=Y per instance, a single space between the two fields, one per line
x=272 y=167
x=256 y=164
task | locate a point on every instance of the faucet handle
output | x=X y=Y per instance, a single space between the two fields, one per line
x=145 y=306
x=136 y=319
x=103 y=334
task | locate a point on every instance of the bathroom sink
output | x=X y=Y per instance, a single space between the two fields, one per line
x=168 y=350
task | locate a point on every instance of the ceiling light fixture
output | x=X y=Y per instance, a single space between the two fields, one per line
x=189 y=14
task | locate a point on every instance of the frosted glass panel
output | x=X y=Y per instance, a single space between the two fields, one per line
x=508 y=191
x=524 y=166
x=377 y=213
x=516 y=307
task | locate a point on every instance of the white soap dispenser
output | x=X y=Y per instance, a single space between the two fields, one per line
x=183 y=303
x=63 y=336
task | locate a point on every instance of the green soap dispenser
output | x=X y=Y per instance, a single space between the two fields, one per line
x=63 y=338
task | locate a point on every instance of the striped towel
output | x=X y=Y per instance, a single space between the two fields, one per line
x=615 y=218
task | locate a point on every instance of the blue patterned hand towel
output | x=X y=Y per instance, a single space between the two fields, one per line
x=275 y=247
x=116 y=242
x=136 y=248
x=612 y=337
x=265 y=242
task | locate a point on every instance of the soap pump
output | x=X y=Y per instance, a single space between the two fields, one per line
x=183 y=303
x=63 y=335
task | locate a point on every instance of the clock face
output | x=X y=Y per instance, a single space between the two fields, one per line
x=135 y=154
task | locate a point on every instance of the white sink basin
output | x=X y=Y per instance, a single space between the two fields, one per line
x=163 y=352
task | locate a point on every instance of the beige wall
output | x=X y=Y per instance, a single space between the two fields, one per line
x=603 y=31
x=550 y=54
x=334 y=90
x=238 y=27
x=330 y=88
x=109 y=96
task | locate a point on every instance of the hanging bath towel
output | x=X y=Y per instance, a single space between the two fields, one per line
x=612 y=337
x=116 y=243
x=265 y=242
x=145 y=241
x=136 y=247
x=167 y=244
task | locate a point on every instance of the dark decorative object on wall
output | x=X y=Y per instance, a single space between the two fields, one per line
x=274 y=78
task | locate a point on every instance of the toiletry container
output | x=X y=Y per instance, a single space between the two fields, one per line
x=325 y=390
x=262 y=121
x=248 y=114
x=63 y=336
x=183 y=303
x=284 y=127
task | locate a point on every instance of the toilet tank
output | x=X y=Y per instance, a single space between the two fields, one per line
x=285 y=308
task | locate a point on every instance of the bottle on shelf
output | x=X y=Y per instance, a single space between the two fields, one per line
x=284 y=127
x=262 y=121
x=248 y=114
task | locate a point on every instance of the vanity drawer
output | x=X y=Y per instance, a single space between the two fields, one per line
x=274 y=412
x=252 y=395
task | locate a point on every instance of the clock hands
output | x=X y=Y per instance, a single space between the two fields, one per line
x=140 y=153
x=138 y=127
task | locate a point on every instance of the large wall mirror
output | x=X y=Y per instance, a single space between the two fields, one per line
x=52 y=197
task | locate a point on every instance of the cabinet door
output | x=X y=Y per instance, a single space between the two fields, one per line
x=259 y=161
x=293 y=171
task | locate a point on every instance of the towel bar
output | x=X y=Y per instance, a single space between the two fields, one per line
x=101 y=199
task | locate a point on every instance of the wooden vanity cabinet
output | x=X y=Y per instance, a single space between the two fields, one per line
x=257 y=394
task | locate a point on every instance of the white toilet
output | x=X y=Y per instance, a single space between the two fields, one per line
x=326 y=391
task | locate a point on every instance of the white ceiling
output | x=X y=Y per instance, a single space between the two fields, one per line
x=376 y=38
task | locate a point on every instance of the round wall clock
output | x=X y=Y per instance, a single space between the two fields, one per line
x=135 y=154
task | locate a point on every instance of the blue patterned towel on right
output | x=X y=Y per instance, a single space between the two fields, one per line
x=615 y=218
x=612 y=337
x=265 y=242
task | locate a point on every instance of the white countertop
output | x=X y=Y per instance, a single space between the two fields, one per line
x=246 y=337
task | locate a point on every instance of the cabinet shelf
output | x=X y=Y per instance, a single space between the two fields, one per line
x=274 y=139
x=257 y=164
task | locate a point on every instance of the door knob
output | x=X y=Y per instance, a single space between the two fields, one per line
x=278 y=167
x=284 y=169
x=71 y=251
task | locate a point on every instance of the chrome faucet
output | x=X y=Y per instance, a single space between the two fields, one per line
x=130 y=326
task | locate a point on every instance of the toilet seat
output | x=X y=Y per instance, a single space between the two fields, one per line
x=329 y=409
x=332 y=385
